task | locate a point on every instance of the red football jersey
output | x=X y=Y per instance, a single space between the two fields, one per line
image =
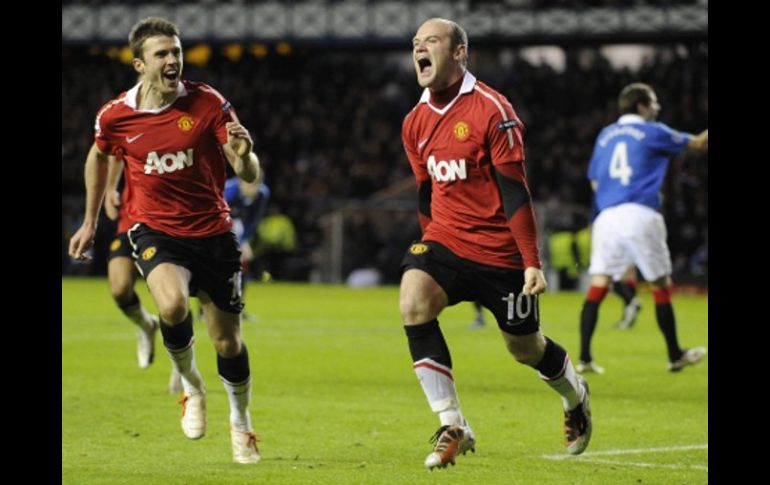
x=175 y=167
x=456 y=147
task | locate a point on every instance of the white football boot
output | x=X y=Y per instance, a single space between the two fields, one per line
x=194 y=415
x=244 y=446
x=689 y=357
x=450 y=442
x=145 y=344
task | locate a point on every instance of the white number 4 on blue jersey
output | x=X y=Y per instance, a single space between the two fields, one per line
x=619 y=167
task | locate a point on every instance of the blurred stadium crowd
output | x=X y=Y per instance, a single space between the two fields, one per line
x=327 y=125
x=537 y=4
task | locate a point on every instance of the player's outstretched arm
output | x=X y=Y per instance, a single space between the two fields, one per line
x=239 y=154
x=699 y=142
x=96 y=179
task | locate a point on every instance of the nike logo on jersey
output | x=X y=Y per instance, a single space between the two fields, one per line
x=419 y=145
x=132 y=139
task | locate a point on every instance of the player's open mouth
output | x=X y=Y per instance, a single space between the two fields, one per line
x=171 y=75
x=425 y=65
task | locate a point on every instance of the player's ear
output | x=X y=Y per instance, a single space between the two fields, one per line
x=138 y=65
x=461 y=51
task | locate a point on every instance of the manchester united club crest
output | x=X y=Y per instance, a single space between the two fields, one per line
x=185 y=123
x=462 y=131
x=149 y=253
x=418 y=248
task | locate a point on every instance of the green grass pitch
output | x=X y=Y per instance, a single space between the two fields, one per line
x=335 y=400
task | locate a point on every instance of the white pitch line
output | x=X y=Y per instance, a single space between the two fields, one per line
x=588 y=457
x=636 y=451
x=642 y=464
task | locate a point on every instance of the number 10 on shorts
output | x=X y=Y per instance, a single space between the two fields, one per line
x=520 y=307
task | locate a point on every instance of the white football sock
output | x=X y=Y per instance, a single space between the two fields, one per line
x=438 y=385
x=240 y=399
x=567 y=386
x=140 y=317
x=184 y=362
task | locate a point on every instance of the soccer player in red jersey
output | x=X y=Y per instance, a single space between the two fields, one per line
x=121 y=271
x=176 y=137
x=479 y=237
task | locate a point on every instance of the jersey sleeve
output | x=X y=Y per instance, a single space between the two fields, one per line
x=103 y=137
x=667 y=140
x=505 y=134
x=519 y=211
x=223 y=114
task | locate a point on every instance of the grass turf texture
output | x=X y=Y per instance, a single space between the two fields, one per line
x=335 y=399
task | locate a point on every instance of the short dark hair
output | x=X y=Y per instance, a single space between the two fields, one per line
x=459 y=37
x=149 y=27
x=632 y=95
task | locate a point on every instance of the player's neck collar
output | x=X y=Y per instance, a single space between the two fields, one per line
x=630 y=118
x=133 y=93
x=469 y=80
x=441 y=98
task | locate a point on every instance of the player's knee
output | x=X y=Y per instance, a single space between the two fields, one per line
x=529 y=355
x=407 y=307
x=173 y=310
x=661 y=283
x=227 y=346
x=122 y=292
x=417 y=310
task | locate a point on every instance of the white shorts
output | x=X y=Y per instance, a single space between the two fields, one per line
x=629 y=234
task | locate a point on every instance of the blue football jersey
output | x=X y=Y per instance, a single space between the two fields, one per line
x=246 y=212
x=630 y=159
